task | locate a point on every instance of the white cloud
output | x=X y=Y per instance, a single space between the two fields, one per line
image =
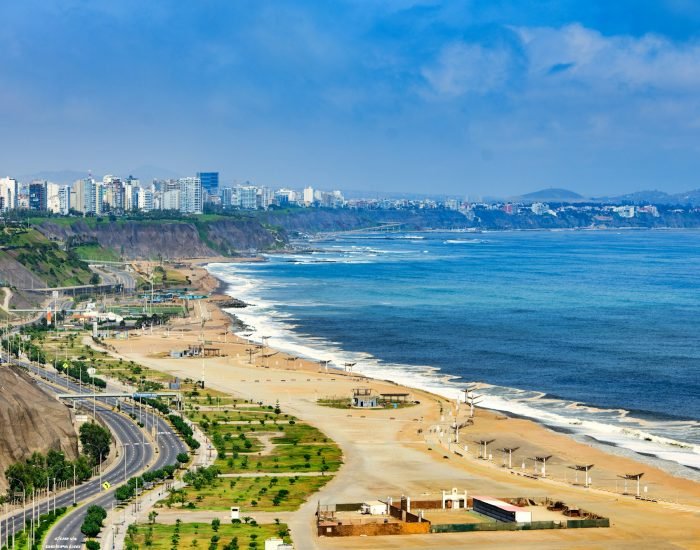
x=463 y=68
x=572 y=58
x=616 y=63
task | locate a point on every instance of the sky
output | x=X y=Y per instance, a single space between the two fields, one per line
x=494 y=97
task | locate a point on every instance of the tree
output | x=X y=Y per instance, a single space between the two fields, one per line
x=215 y=524
x=90 y=528
x=94 y=279
x=183 y=458
x=152 y=515
x=95 y=440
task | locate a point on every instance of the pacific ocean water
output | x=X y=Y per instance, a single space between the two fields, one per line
x=596 y=332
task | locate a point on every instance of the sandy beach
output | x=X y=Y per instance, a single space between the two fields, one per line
x=405 y=451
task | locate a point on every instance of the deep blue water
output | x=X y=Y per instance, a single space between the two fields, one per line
x=610 y=319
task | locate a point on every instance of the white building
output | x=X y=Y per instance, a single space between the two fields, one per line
x=452 y=204
x=145 y=200
x=131 y=195
x=265 y=197
x=53 y=199
x=8 y=194
x=649 y=209
x=625 y=211
x=539 y=208
x=190 y=195
x=248 y=197
x=170 y=199
x=64 y=196
x=308 y=196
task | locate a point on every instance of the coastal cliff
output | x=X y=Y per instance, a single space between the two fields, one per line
x=31 y=421
x=150 y=239
x=233 y=233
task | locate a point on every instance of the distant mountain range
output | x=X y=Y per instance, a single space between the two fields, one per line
x=552 y=194
x=657 y=197
x=638 y=197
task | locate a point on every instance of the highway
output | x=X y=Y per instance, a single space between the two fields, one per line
x=114 y=276
x=66 y=533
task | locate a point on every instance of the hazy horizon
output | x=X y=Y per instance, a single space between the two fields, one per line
x=498 y=99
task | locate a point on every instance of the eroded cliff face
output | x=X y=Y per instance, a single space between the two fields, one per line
x=134 y=239
x=168 y=239
x=30 y=420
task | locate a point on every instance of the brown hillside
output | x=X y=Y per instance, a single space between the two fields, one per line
x=30 y=420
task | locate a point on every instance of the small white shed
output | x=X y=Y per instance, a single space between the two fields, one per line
x=374 y=508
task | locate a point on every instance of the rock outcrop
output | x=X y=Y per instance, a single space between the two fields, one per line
x=30 y=420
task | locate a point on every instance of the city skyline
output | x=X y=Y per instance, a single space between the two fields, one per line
x=460 y=98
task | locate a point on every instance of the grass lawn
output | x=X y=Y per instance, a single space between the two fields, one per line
x=199 y=535
x=297 y=447
x=251 y=494
x=95 y=252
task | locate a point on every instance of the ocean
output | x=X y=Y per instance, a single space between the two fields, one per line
x=595 y=333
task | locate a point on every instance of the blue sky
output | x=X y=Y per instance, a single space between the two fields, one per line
x=461 y=97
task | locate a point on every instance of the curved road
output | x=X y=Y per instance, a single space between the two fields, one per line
x=66 y=533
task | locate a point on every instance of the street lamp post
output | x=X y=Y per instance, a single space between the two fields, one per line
x=24 y=506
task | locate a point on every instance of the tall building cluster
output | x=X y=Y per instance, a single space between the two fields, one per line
x=251 y=197
x=116 y=195
x=110 y=195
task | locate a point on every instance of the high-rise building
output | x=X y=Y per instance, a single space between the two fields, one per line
x=308 y=196
x=265 y=197
x=210 y=182
x=38 y=196
x=64 y=196
x=8 y=194
x=170 y=199
x=53 y=201
x=145 y=200
x=226 y=196
x=190 y=195
x=89 y=196
x=249 y=197
x=285 y=196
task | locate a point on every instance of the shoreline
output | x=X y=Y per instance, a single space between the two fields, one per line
x=373 y=440
x=611 y=434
